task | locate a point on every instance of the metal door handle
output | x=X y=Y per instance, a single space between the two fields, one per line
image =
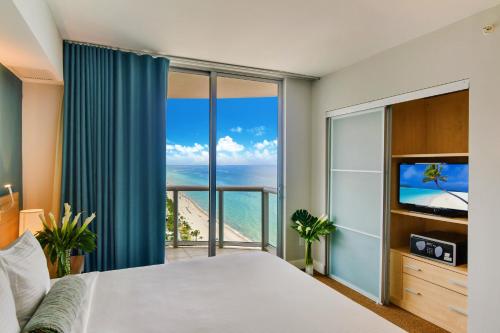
x=414 y=268
x=411 y=291
x=458 y=283
x=457 y=310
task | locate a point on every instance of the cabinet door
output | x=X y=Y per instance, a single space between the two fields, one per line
x=356 y=200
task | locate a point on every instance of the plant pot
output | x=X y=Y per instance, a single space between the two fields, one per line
x=77 y=264
x=309 y=259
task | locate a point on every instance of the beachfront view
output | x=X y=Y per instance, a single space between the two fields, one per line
x=435 y=185
x=246 y=171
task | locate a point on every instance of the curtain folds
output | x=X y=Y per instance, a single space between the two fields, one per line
x=114 y=154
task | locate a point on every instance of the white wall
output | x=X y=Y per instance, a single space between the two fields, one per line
x=42 y=105
x=30 y=43
x=297 y=106
x=455 y=52
x=38 y=16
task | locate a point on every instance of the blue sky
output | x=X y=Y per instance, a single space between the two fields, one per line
x=246 y=131
x=411 y=175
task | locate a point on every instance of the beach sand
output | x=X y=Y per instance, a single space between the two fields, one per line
x=198 y=219
x=448 y=201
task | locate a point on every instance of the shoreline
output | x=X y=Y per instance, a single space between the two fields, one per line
x=197 y=218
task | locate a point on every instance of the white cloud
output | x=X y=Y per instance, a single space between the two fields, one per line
x=227 y=144
x=228 y=152
x=179 y=154
x=266 y=143
x=257 y=131
x=236 y=129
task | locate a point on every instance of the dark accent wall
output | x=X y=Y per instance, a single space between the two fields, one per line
x=10 y=131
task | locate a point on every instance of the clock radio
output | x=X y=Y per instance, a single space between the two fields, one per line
x=445 y=247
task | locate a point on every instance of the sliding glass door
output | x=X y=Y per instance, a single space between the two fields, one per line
x=247 y=161
x=223 y=164
x=188 y=109
x=356 y=183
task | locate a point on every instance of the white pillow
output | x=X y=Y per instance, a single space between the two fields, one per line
x=8 y=319
x=26 y=267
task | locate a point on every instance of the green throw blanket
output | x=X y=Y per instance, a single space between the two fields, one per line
x=59 y=308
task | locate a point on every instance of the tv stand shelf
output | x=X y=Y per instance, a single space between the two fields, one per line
x=459 y=220
x=443 y=155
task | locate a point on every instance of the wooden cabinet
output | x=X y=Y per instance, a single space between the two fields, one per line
x=431 y=130
x=434 y=274
x=441 y=306
x=431 y=291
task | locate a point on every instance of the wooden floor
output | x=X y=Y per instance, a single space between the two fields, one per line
x=392 y=313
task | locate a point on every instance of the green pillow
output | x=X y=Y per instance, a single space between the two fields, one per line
x=59 y=308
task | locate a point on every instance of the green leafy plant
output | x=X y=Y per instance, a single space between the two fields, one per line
x=186 y=231
x=434 y=173
x=310 y=228
x=59 y=240
x=196 y=234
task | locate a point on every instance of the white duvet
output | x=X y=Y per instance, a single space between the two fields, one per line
x=251 y=292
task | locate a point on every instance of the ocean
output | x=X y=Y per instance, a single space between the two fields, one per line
x=242 y=210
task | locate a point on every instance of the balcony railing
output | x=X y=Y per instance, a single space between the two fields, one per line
x=265 y=191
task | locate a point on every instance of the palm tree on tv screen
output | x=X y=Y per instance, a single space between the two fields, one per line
x=433 y=173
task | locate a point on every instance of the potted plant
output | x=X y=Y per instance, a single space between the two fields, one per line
x=310 y=228
x=59 y=240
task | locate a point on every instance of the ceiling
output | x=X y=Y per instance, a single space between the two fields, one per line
x=312 y=37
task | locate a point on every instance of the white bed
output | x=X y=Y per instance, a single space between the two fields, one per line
x=254 y=292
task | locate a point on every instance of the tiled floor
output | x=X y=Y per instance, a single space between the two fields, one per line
x=190 y=252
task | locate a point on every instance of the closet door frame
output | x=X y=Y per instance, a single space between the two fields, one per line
x=384 y=209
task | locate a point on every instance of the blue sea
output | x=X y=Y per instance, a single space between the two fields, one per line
x=242 y=210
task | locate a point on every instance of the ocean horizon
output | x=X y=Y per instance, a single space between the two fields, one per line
x=242 y=210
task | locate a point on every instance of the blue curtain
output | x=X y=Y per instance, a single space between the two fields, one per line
x=114 y=151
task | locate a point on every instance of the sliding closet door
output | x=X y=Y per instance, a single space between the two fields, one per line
x=356 y=200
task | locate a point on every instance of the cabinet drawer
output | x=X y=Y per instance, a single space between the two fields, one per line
x=440 y=276
x=443 y=307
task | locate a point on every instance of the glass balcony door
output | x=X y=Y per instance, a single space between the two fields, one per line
x=223 y=165
x=188 y=109
x=247 y=161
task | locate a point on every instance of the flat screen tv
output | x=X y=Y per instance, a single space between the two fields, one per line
x=435 y=188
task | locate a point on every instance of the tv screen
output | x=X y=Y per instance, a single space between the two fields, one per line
x=434 y=187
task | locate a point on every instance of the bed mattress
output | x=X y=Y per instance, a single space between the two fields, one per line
x=250 y=292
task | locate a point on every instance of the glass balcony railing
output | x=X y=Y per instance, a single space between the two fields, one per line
x=254 y=225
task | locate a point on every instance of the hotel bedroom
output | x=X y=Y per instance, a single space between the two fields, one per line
x=249 y=166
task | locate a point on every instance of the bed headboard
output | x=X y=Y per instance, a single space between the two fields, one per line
x=9 y=219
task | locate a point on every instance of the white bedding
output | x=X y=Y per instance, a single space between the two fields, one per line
x=254 y=292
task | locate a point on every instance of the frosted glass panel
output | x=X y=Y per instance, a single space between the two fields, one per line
x=357 y=142
x=355 y=259
x=356 y=200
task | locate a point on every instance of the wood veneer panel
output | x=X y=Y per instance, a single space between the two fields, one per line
x=448 y=123
x=9 y=219
x=434 y=125
x=395 y=277
x=402 y=227
x=409 y=128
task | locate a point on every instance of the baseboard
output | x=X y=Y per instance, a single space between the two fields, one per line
x=319 y=267
x=299 y=263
